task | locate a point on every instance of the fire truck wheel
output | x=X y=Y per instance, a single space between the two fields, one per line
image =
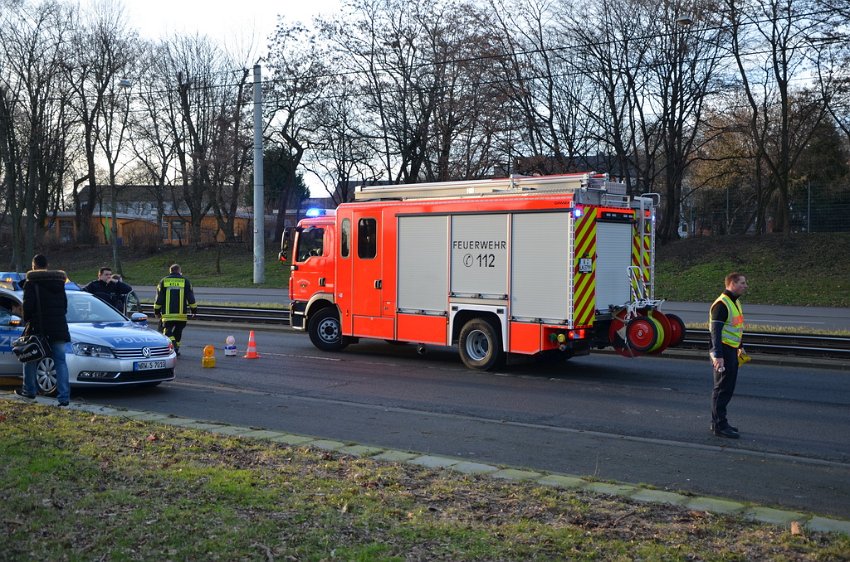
x=481 y=346
x=326 y=331
x=677 y=327
x=641 y=334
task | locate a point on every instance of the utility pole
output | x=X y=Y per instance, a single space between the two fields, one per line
x=124 y=84
x=259 y=208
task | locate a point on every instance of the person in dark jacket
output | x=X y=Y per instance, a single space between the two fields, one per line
x=44 y=308
x=109 y=288
x=175 y=302
x=726 y=325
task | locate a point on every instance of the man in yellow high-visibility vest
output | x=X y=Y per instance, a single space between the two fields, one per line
x=175 y=303
x=726 y=324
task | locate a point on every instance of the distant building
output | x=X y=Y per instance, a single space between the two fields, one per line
x=136 y=220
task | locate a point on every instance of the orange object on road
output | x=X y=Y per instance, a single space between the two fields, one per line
x=208 y=360
x=251 y=352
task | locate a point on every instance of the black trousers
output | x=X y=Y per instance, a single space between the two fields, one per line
x=173 y=330
x=724 y=387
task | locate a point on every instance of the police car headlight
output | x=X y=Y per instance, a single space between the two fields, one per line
x=92 y=350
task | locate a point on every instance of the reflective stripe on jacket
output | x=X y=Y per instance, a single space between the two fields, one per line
x=733 y=328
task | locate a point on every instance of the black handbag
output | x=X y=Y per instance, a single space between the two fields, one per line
x=31 y=347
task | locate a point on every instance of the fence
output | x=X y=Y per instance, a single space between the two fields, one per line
x=811 y=209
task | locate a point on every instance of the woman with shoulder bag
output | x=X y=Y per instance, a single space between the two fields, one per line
x=45 y=305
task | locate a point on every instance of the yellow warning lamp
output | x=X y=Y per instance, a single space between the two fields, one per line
x=208 y=360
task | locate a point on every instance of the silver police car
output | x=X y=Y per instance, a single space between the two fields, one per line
x=107 y=349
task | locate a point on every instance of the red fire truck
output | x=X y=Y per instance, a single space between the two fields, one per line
x=551 y=265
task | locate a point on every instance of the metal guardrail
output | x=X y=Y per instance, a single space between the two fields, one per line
x=801 y=345
x=236 y=314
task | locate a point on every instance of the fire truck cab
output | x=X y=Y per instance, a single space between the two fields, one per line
x=551 y=265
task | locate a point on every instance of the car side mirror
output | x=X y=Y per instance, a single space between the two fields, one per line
x=286 y=240
x=139 y=318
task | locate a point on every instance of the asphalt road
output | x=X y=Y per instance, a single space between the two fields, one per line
x=639 y=420
x=801 y=317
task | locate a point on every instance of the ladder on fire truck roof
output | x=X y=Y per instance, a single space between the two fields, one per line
x=566 y=183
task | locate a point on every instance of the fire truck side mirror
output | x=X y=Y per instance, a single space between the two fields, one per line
x=286 y=243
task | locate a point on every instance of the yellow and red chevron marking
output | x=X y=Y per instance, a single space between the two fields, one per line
x=584 y=287
x=641 y=243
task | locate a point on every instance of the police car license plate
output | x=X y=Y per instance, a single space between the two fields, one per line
x=148 y=365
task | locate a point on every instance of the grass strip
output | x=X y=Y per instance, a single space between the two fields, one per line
x=78 y=486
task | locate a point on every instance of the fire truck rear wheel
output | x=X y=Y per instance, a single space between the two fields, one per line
x=480 y=346
x=326 y=331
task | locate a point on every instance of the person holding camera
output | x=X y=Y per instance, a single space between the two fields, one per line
x=109 y=287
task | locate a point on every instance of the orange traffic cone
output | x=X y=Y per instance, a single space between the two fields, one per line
x=251 y=352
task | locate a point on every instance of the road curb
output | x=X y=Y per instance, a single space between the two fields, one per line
x=639 y=493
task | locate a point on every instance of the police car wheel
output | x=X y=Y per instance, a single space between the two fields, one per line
x=480 y=346
x=325 y=330
x=45 y=376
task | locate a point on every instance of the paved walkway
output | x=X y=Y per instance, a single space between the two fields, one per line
x=632 y=492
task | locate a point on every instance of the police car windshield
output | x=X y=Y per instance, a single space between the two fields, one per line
x=84 y=308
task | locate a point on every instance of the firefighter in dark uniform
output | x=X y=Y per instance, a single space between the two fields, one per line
x=726 y=324
x=175 y=303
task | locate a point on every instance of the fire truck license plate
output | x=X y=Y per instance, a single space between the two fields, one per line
x=148 y=365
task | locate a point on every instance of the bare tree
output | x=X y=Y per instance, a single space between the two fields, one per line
x=683 y=76
x=385 y=46
x=467 y=97
x=32 y=118
x=94 y=61
x=153 y=146
x=546 y=85
x=772 y=42
x=233 y=145
x=113 y=42
x=302 y=77
x=832 y=62
x=202 y=124
x=341 y=154
x=615 y=52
